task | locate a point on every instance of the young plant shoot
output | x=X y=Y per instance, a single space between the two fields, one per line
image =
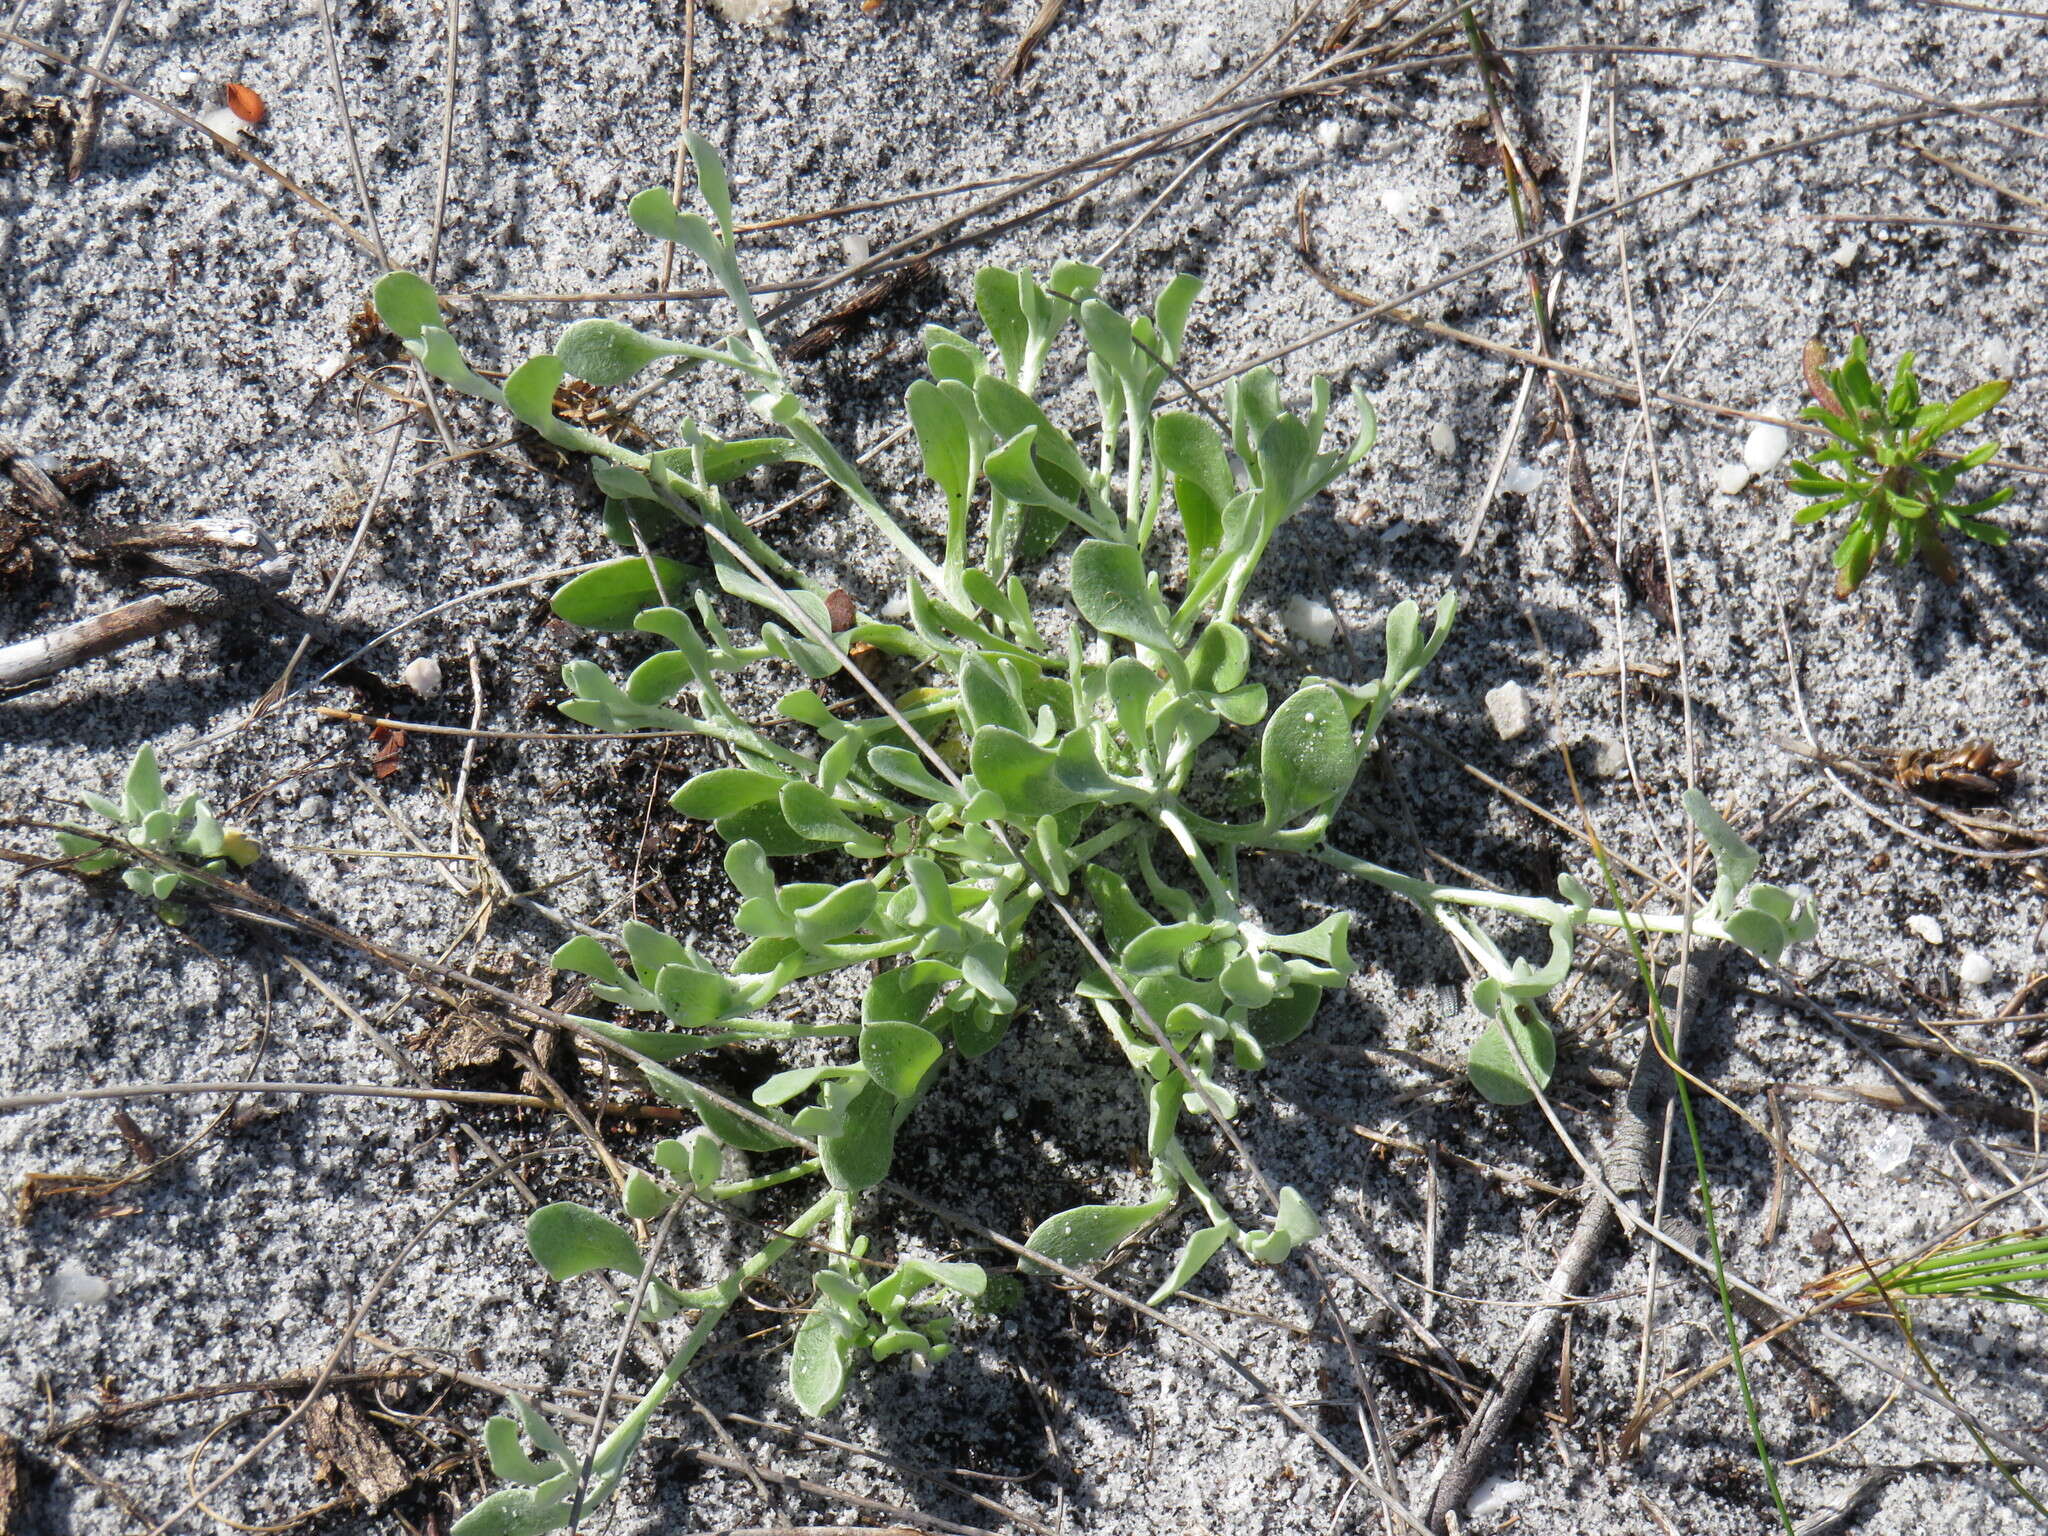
x=1003 y=756
x=1881 y=466
x=150 y=821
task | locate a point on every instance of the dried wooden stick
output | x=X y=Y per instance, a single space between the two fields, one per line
x=1629 y=1164
x=219 y=594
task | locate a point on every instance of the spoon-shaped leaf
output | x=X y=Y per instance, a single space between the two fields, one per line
x=898 y=1055
x=1492 y=1066
x=1087 y=1233
x=406 y=304
x=570 y=1239
x=1307 y=756
x=1111 y=590
x=611 y=596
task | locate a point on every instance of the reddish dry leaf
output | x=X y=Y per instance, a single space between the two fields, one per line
x=140 y=1147
x=245 y=103
x=390 y=744
x=1813 y=363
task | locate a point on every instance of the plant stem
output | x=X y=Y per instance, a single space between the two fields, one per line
x=722 y=1298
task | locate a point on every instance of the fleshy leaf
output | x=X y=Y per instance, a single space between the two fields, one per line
x=898 y=1055
x=613 y=595
x=1492 y=1065
x=818 y=1363
x=1111 y=590
x=406 y=304
x=570 y=1240
x=1087 y=1233
x=1194 y=1255
x=1307 y=756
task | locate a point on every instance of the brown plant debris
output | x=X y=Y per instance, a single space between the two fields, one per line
x=33 y=124
x=836 y=325
x=347 y=1447
x=1973 y=771
x=10 y=1485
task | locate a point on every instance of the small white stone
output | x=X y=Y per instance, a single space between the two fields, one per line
x=70 y=1285
x=1730 y=479
x=855 y=249
x=1519 y=479
x=423 y=676
x=1399 y=203
x=768 y=15
x=1510 y=710
x=1197 y=54
x=1844 y=255
x=1329 y=133
x=1921 y=926
x=1892 y=1150
x=1495 y=1495
x=223 y=122
x=1976 y=969
x=1309 y=621
x=1998 y=357
x=1443 y=442
x=1604 y=757
x=1766 y=447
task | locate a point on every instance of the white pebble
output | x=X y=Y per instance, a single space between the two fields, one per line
x=71 y=1285
x=855 y=249
x=1329 y=133
x=1443 y=442
x=1197 y=54
x=1510 y=710
x=1520 y=479
x=1604 y=757
x=1976 y=969
x=769 y=15
x=1921 y=926
x=1998 y=357
x=1730 y=479
x=223 y=122
x=1892 y=1150
x=1495 y=1495
x=1309 y=621
x=1766 y=448
x=1399 y=203
x=423 y=676
x=1844 y=255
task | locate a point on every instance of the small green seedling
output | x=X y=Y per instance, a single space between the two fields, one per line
x=1112 y=751
x=148 y=820
x=1881 y=467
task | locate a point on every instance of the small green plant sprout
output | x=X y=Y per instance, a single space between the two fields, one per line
x=149 y=821
x=2012 y=1268
x=1881 y=466
x=1111 y=754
